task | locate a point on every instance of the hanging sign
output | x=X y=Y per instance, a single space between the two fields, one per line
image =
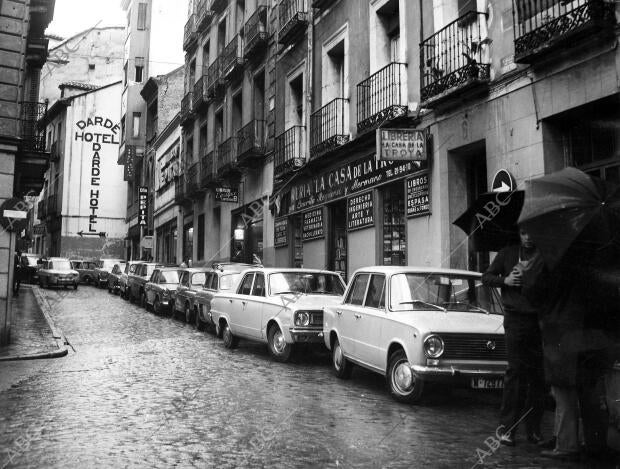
x=226 y=194
x=401 y=145
x=130 y=158
x=313 y=225
x=280 y=232
x=143 y=202
x=418 y=196
x=360 y=211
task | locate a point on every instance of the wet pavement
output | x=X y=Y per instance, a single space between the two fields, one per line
x=139 y=390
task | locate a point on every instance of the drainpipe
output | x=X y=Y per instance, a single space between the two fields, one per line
x=309 y=79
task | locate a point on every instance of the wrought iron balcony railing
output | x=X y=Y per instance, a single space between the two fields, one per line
x=226 y=156
x=329 y=127
x=207 y=169
x=199 y=94
x=232 y=59
x=186 y=108
x=293 y=20
x=251 y=141
x=255 y=30
x=455 y=57
x=204 y=16
x=542 y=26
x=192 y=182
x=382 y=97
x=33 y=138
x=190 y=35
x=215 y=81
x=289 y=151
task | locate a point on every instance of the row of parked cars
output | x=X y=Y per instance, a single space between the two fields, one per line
x=415 y=326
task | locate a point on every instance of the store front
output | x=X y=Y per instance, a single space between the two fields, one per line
x=188 y=241
x=132 y=243
x=247 y=234
x=166 y=249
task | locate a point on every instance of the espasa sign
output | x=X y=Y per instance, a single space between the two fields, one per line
x=143 y=204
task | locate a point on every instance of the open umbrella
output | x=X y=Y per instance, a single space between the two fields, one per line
x=491 y=221
x=571 y=209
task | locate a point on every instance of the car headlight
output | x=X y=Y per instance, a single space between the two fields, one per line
x=433 y=346
x=302 y=318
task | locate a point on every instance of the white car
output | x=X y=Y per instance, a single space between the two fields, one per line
x=280 y=307
x=418 y=325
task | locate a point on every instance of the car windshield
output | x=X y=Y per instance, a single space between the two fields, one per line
x=60 y=265
x=199 y=278
x=31 y=261
x=227 y=281
x=442 y=292
x=169 y=276
x=305 y=282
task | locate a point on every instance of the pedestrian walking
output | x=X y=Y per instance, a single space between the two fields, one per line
x=523 y=396
x=17 y=273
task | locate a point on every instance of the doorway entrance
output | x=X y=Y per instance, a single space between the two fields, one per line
x=338 y=238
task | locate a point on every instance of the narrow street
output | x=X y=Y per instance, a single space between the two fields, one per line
x=141 y=390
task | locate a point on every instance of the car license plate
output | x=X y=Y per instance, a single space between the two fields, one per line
x=487 y=383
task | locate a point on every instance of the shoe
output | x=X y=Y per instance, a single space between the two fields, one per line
x=535 y=439
x=547 y=444
x=507 y=439
x=561 y=455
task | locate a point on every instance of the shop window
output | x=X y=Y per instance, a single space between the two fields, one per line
x=338 y=238
x=394 y=242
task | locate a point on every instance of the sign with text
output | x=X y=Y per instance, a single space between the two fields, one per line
x=401 y=145
x=226 y=194
x=313 y=225
x=418 y=196
x=143 y=205
x=280 y=232
x=360 y=212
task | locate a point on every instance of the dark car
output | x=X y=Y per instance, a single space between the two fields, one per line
x=103 y=269
x=159 y=291
x=85 y=269
x=137 y=280
x=222 y=277
x=192 y=280
x=29 y=267
x=130 y=268
x=114 y=277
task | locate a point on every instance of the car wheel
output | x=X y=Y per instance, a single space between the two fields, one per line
x=279 y=349
x=199 y=324
x=341 y=366
x=230 y=341
x=218 y=330
x=405 y=385
x=188 y=314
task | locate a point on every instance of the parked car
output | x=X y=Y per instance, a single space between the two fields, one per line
x=85 y=268
x=160 y=290
x=137 y=280
x=222 y=277
x=30 y=267
x=280 y=307
x=57 y=271
x=130 y=268
x=192 y=280
x=418 y=326
x=102 y=271
x=114 y=277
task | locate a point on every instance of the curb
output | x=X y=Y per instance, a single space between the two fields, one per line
x=56 y=333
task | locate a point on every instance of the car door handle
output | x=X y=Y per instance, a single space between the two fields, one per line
x=358 y=316
x=244 y=303
x=230 y=300
x=338 y=312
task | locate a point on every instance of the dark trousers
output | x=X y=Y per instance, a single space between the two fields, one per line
x=524 y=382
x=17 y=281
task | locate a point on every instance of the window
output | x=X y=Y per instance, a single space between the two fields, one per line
x=385 y=45
x=246 y=285
x=375 y=298
x=358 y=290
x=142 y=16
x=201 y=237
x=259 y=285
x=139 y=69
x=214 y=281
x=136 y=124
x=237 y=113
x=295 y=104
x=334 y=70
x=155 y=277
x=199 y=278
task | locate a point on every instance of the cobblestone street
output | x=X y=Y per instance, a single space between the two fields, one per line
x=141 y=390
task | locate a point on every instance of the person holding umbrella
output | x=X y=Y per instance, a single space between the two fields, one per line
x=523 y=396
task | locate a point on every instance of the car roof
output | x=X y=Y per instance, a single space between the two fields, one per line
x=168 y=269
x=390 y=270
x=271 y=270
x=57 y=259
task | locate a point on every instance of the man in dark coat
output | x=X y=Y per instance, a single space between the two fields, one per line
x=17 y=273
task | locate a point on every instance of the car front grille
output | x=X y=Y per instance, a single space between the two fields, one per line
x=473 y=346
x=316 y=318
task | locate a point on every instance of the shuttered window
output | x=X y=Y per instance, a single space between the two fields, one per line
x=142 y=16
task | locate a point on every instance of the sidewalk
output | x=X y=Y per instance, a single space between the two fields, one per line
x=33 y=334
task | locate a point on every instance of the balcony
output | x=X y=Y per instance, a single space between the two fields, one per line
x=215 y=81
x=544 y=27
x=207 y=170
x=382 y=97
x=289 y=151
x=455 y=60
x=226 y=157
x=293 y=21
x=251 y=145
x=218 y=6
x=33 y=138
x=256 y=35
x=323 y=4
x=329 y=127
x=190 y=35
x=232 y=59
x=192 y=180
x=204 y=16
x=36 y=51
x=187 y=112
x=54 y=152
x=199 y=96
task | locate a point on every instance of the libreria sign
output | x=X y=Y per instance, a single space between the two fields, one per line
x=98 y=137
